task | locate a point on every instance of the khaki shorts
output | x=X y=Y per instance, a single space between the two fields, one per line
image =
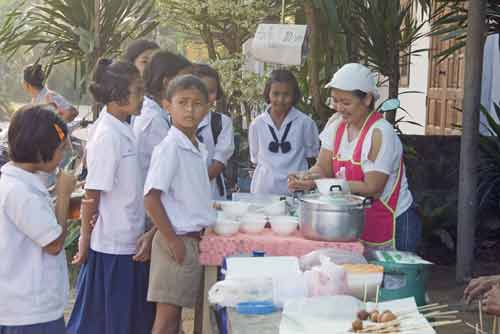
x=169 y=282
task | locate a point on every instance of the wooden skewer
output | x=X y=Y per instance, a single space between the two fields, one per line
x=473 y=327
x=376 y=296
x=365 y=293
x=494 y=327
x=477 y=328
x=428 y=306
x=434 y=307
x=438 y=313
x=481 y=316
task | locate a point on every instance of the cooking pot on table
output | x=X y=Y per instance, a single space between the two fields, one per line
x=335 y=217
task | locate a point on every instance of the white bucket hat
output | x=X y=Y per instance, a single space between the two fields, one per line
x=355 y=76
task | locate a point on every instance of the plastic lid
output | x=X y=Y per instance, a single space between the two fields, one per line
x=256 y=308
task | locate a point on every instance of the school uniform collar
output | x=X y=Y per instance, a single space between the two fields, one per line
x=292 y=115
x=205 y=121
x=150 y=105
x=30 y=179
x=184 y=142
x=122 y=127
x=41 y=94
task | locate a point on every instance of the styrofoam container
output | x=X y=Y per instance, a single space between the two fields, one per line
x=234 y=209
x=284 y=225
x=226 y=227
x=357 y=281
x=252 y=223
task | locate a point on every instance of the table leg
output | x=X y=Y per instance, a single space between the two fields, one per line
x=203 y=321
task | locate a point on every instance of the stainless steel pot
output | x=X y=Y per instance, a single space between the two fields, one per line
x=333 y=218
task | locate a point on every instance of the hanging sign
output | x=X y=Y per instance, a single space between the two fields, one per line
x=284 y=44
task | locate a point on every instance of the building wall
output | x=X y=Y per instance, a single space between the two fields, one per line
x=415 y=103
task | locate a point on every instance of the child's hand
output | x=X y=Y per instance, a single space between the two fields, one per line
x=83 y=251
x=143 y=252
x=65 y=184
x=178 y=249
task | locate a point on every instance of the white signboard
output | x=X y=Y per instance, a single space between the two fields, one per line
x=284 y=44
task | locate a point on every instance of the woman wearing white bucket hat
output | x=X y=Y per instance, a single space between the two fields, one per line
x=362 y=148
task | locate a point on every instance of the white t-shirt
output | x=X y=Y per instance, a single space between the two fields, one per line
x=271 y=174
x=46 y=96
x=179 y=170
x=387 y=162
x=33 y=283
x=114 y=169
x=150 y=128
x=221 y=152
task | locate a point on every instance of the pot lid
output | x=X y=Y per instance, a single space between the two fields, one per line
x=337 y=201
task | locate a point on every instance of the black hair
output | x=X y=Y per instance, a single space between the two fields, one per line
x=137 y=47
x=35 y=132
x=185 y=82
x=163 y=64
x=283 y=76
x=111 y=81
x=361 y=95
x=33 y=75
x=206 y=71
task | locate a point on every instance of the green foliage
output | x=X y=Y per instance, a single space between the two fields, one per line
x=489 y=165
x=225 y=23
x=450 y=22
x=65 y=30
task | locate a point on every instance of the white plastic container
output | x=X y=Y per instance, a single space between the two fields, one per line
x=358 y=278
x=252 y=223
x=284 y=225
x=328 y=186
x=234 y=209
x=226 y=227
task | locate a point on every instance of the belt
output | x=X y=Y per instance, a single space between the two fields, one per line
x=193 y=235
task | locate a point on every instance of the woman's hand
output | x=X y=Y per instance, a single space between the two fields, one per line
x=479 y=286
x=297 y=183
x=491 y=301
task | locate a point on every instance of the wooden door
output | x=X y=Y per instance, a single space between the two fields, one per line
x=445 y=91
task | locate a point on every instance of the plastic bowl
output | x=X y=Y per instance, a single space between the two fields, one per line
x=253 y=223
x=234 y=209
x=284 y=225
x=226 y=227
x=275 y=209
x=328 y=186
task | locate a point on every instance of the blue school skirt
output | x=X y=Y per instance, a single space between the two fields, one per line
x=51 y=327
x=111 y=297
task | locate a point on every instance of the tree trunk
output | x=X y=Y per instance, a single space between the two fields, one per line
x=208 y=38
x=313 y=61
x=393 y=91
x=469 y=145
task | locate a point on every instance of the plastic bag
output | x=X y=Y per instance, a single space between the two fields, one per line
x=337 y=256
x=230 y=292
x=328 y=279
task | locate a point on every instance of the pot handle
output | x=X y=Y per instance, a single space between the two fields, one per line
x=336 y=186
x=367 y=202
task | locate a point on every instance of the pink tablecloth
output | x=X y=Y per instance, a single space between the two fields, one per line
x=213 y=247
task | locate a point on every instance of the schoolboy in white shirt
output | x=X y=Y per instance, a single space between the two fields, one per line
x=33 y=270
x=178 y=200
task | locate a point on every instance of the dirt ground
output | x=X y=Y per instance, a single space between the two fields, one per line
x=442 y=288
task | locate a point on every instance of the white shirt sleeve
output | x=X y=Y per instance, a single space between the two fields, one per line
x=148 y=136
x=327 y=136
x=225 y=143
x=162 y=169
x=103 y=158
x=253 y=142
x=311 y=138
x=390 y=152
x=34 y=218
x=60 y=101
